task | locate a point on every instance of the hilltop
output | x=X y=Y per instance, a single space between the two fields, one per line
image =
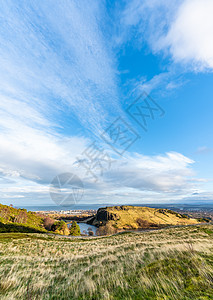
x=134 y=217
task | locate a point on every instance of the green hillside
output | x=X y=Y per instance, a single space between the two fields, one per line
x=21 y=220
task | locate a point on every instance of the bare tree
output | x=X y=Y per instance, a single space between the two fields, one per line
x=48 y=222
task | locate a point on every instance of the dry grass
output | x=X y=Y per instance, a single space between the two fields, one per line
x=173 y=263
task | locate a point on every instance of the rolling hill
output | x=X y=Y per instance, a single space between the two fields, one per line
x=134 y=217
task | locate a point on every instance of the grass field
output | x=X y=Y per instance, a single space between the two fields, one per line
x=173 y=263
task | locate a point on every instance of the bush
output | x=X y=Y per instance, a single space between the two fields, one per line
x=203 y=220
x=184 y=216
x=18 y=227
x=106 y=230
x=21 y=217
x=145 y=224
x=48 y=223
x=89 y=231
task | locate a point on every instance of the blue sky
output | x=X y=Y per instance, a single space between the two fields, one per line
x=70 y=69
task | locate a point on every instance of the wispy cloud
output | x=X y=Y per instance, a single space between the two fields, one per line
x=58 y=58
x=204 y=150
x=56 y=64
x=164 y=83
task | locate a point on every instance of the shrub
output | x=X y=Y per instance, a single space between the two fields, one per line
x=106 y=230
x=203 y=220
x=184 y=216
x=48 y=222
x=144 y=223
x=21 y=217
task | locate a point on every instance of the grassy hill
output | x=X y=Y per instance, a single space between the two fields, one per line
x=171 y=263
x=21 y=220
x=133 y=217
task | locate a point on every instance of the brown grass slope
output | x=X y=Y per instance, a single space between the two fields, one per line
x=171 y=264
x=134 y=217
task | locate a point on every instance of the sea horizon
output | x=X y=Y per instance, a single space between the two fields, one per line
x=181 y=206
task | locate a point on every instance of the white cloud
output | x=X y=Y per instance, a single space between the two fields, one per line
x=182 y=29
x=161 y=173
x=132 y=178
x=190 y=36
x=35 y=154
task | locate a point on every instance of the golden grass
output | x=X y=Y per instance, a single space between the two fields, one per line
x=143 y=265
x=127 y=217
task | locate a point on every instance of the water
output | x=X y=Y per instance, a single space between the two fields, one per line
x=58 y=208
x=84 y=226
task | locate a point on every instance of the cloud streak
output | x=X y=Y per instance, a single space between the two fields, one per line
x=58 y=59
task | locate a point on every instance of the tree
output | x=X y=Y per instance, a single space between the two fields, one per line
x=75 y=229
x=60 y=227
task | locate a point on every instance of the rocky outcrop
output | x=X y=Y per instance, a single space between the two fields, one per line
x=103 y=216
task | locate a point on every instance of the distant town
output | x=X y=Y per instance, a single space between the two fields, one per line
x=69 y=212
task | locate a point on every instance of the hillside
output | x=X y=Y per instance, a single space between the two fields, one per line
x=134 y=217
x=21 y=220
x=171 y=263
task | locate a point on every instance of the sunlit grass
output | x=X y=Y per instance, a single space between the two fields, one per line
x=173 y=263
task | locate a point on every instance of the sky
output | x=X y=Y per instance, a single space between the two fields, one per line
x=115 y=94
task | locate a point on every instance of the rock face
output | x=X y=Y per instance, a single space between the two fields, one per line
x=104 y=215
x=133 y=217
